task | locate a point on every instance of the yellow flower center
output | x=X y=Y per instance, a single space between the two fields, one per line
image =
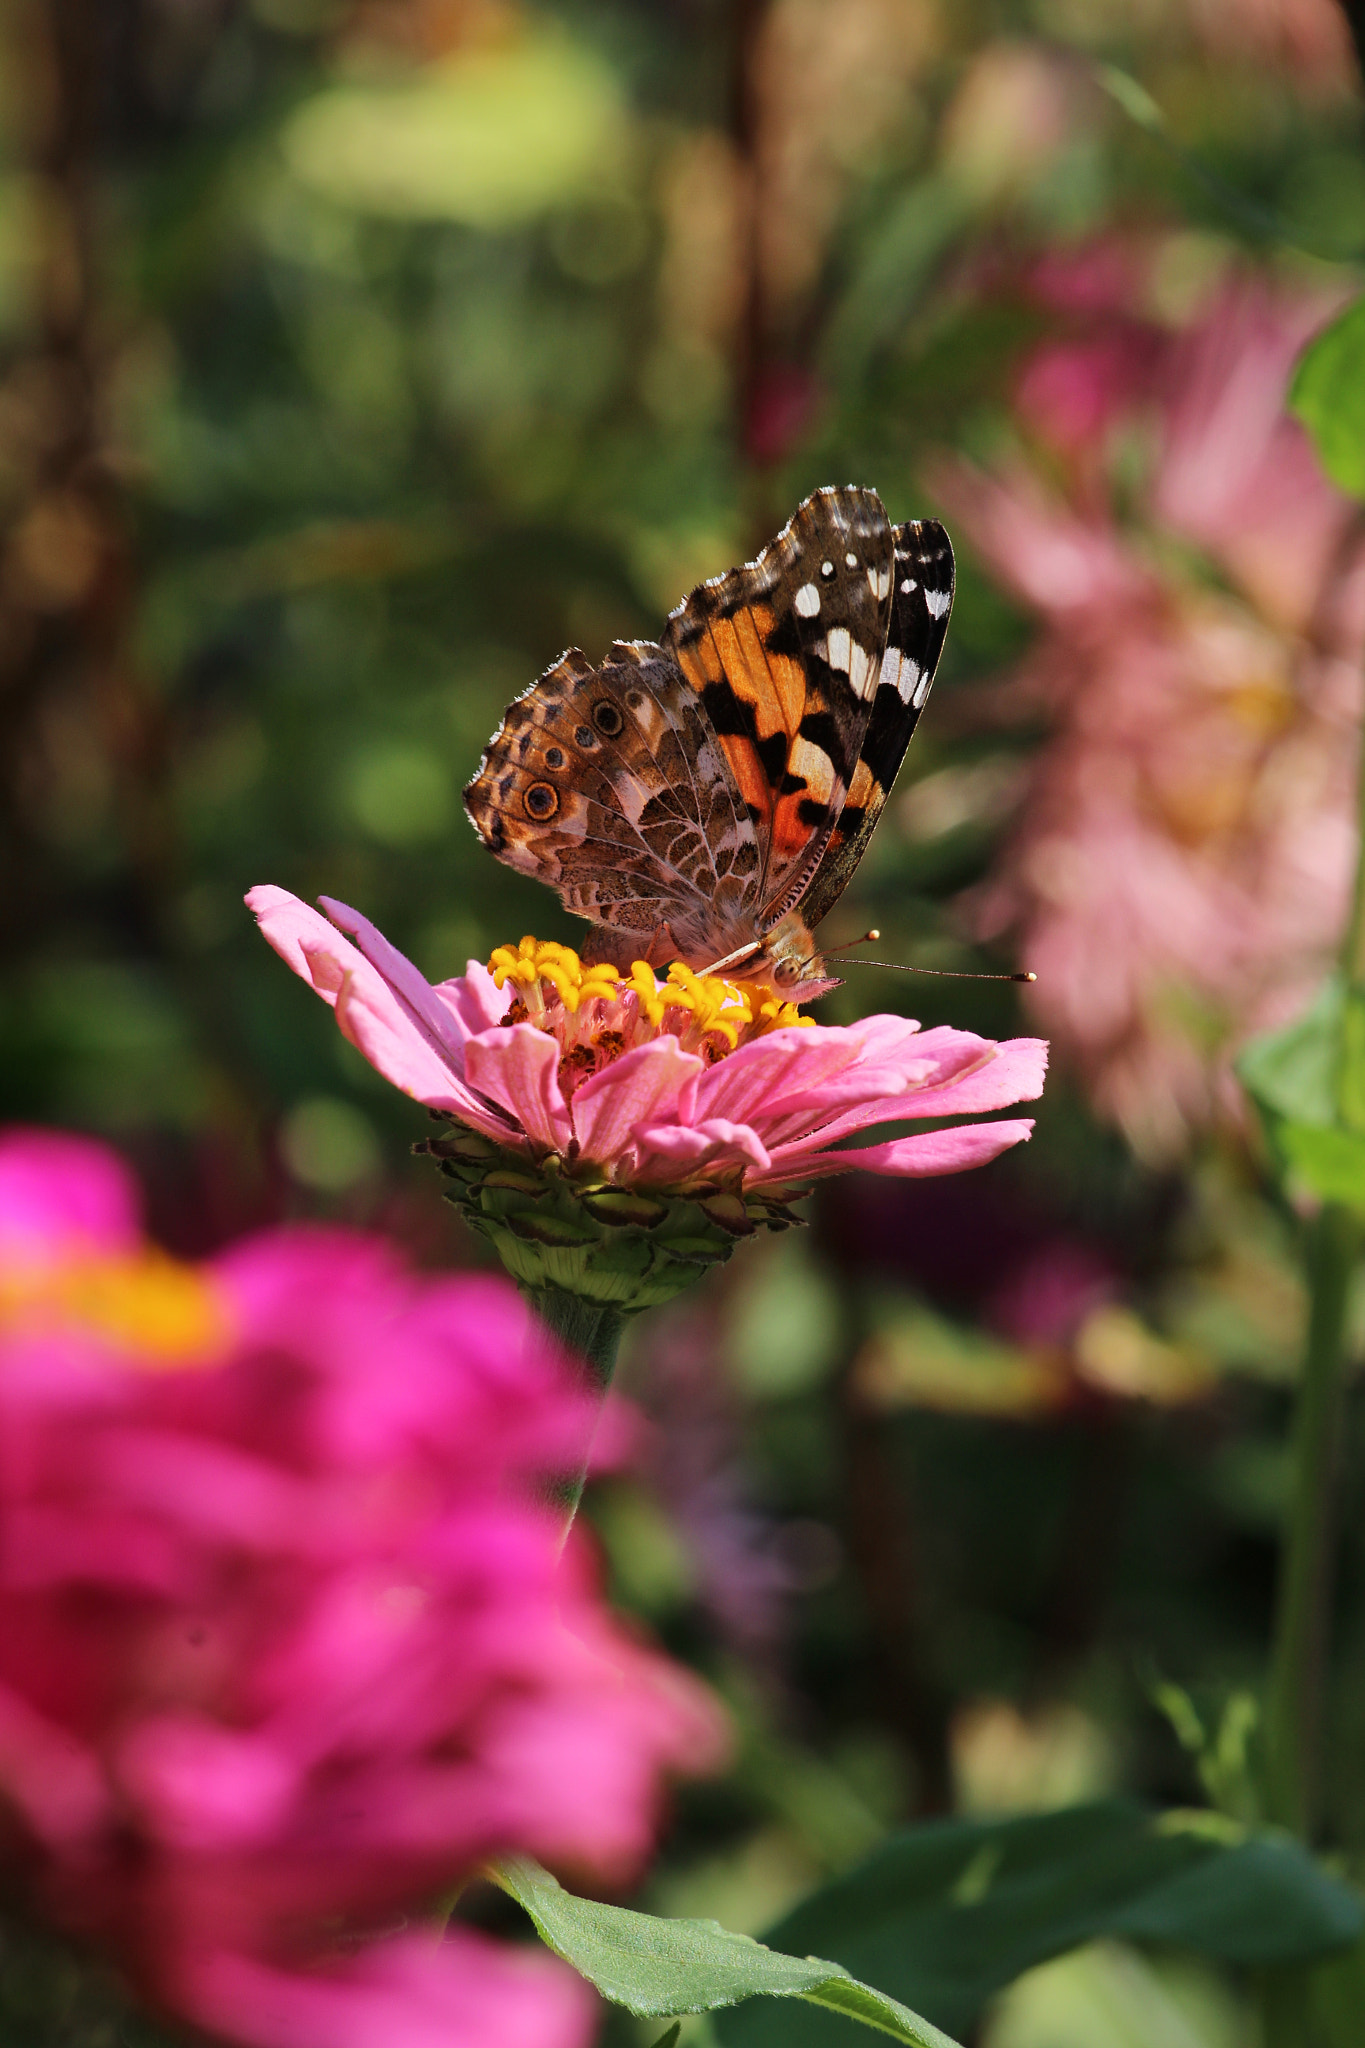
x=597 y=1013
x=164 y=1314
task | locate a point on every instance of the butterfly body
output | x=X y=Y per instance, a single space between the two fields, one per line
x=707 y=798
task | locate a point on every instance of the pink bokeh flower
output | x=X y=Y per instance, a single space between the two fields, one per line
x=286 y=1650
x=680 y=1086
x=1181 y=862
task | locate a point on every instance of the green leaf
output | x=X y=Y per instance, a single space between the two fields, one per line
x=1351 y=1076
x=1328 y=394
x=1292 y=1073
x=670 y=2039
x=1329 y=1162
x=944 y=1916
x=1337 y=1992
x=654 y=1967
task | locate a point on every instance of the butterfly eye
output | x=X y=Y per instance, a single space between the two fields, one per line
x=540 y=802
x=607 y=718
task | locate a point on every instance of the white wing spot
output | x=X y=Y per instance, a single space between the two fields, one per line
x=907 y=585
x=921 y=688
x=938 y=602
x=861 y=673
x=827 y=568
x=852 y=561
x=880 y=582
x=840 y=646
x=807 y=600
x=898 y=673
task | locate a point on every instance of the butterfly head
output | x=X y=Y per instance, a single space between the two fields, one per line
x=788 y=959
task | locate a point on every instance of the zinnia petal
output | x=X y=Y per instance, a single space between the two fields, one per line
x=676 y=1151
x=927 y=1152
x=653 y=1084
x=997 y=1073
x=450 y=1023
x=518 y=1068
x=599 y=1069
x=768 y=1079
x=414 y=1045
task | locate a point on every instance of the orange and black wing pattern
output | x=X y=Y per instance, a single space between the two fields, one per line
x=923 y=582
x=786 y=656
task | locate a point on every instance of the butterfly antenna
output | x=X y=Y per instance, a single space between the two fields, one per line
x=868 y=938
x=944 y=973
x=949 y=973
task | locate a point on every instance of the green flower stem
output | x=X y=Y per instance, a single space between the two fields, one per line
x=1302 y=1598
x=585 y=1253
x=591 y=1330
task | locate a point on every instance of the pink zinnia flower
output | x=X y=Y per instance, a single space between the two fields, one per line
x=285 y=1648
x=693 y=1083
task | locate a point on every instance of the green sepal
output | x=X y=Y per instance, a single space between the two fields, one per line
x=554 y=1226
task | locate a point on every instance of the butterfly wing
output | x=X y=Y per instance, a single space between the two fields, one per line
x=921 y=603
x=609 y=784
x=785 y=655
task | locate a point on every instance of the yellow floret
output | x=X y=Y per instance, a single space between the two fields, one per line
x=536 y=960
x=726 y=1008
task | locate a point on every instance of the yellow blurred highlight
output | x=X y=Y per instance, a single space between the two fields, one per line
x=1116 y=1352
x=1107 y=1995
x=918 y=1359
x=492 y=137
x=1008 y=1761
x=921 y=1360
x=165 y=1315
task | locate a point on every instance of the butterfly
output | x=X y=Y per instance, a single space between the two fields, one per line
x=706 y=798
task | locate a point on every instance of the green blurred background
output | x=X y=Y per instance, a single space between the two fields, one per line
x=358 y=356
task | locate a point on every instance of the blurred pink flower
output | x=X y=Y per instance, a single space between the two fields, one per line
x=1308 y=39
x=668 y=1085
x=1180 y=866
x=285 y=1648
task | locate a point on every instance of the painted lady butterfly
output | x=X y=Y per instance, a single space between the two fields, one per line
x=708 y=798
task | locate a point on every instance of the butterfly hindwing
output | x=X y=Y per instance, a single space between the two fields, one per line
x=785 y=654
x=609 y=784
x=924 y=581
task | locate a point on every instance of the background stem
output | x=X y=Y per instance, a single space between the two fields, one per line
x=1302 y=1599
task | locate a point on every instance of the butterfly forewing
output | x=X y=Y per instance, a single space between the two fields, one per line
x=921 y=602
x=784 y=654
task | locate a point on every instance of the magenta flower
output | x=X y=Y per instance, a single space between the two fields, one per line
x=690 y=1084
x=285 y=1649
